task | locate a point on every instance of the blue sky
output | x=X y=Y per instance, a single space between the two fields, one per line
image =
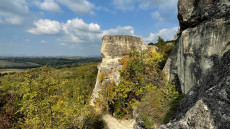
x=76 y=27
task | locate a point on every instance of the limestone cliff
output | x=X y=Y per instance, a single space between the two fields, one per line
x=206 y=105
x=205 y=26
x=113 y=49
x=201 y=60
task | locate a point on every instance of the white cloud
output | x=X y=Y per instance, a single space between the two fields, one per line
x=126 y=30
x=166 y=34
x=78 y=6
x=50 y=5
x=16 y=20
x=77 y=31
x=124 y=5
x=13 y=11
x=45 y=26
x=43 y=42
x=16 y=7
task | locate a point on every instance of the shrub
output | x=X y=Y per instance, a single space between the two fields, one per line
x=140 y=73
x=142 y=86
x=51 y=98
x=158 y=106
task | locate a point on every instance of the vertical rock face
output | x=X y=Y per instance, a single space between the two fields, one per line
x=113 y=49
x=205 y=26
x=206 y=105
x=201 y=60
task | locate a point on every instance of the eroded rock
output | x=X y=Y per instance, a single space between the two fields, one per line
x=201 y=60
x=205 y=26
x=206 y=105
x=113 y=49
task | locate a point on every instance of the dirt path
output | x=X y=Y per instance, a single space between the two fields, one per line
x=113 y=123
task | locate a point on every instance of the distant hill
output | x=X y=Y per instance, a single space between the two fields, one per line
x=5 y=63
x=33 y=62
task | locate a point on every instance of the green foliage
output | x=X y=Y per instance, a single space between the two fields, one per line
x=53 y=98
x=55 y=62
x=143 y=87
x=159 y=105
x=165 y=49
x=140 y=73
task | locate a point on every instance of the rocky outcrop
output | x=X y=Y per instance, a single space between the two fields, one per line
x=206 y=105
x=113 y=49
x=201 y=61
x=205 y=26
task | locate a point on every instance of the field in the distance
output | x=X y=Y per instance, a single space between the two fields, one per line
x=11 y=70
x=6 y=63
x=34 y=62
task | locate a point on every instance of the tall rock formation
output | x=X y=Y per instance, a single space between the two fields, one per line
x=113 y=49
x=206 y=105
x=205 y=26
x=201 y=60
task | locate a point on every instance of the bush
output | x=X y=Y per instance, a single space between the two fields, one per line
x=143 y=87
x=51 y=98
x=140 y=73
x=159 y=105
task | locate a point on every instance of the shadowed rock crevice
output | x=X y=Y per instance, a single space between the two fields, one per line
x=212 y=93
x=193 y=12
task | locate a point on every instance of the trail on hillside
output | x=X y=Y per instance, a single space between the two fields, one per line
x=114 y=123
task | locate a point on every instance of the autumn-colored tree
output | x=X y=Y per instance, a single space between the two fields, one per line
x=54 y=98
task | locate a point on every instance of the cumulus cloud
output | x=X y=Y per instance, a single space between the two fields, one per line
x=50 y=5
x=126 y=30
x=166 y=34
x=124 y=4
x=78 y=6
x=13 y=11
x=77 y=31
x=45 y=26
